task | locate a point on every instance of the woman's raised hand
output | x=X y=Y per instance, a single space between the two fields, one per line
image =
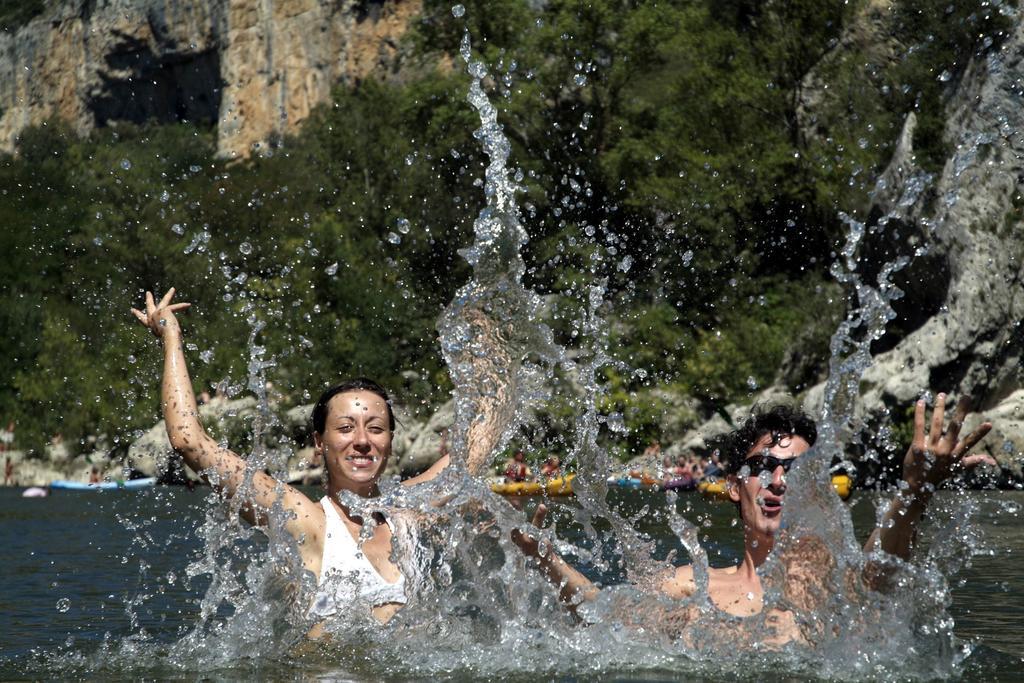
x=159 y=317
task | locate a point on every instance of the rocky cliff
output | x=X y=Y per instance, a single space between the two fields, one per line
x=963 y=305
x=960 y=317
x=255 y=68
x=971 y=280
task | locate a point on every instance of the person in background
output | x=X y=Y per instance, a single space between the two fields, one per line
x=653 y=450
x=712 y=466
x=552 y=467
x=7 y=438
x=516 y=469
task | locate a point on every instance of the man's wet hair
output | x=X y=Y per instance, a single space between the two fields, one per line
x=778 y=421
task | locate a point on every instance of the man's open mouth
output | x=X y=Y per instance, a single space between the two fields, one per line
x=362 y=460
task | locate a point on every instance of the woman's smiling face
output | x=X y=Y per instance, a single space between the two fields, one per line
x=356 y=441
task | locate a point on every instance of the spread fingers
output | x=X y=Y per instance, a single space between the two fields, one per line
x=167 y=297
x=938 y=415
x=977 y=459
x=974 y=437
x=540 y=515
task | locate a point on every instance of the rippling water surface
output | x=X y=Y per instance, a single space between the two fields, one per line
x=88 y=575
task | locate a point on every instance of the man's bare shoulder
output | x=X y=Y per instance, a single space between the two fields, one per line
x=679 y=583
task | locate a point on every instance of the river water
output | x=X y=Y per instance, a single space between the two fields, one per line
x=95 y=584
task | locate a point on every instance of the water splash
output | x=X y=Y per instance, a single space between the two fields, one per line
x=474 y=599
x=816 y=570
x=491 y=335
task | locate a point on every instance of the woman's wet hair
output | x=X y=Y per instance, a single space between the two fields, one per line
x=778 y=421
x=319 y=415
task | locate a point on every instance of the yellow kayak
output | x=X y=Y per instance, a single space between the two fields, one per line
x=716 y=489
x=561 y=486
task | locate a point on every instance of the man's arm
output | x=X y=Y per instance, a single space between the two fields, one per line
x=932 y=459
x=573 y=587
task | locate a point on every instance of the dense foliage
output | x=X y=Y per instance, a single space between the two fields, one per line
x=17 y=13
x=663 y=148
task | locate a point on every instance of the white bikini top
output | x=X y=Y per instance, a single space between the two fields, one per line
x=346 y=576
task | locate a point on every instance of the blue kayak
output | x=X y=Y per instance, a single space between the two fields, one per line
x=632 y=482
x=103 y=485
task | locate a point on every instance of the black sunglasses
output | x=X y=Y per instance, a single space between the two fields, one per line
x=761 y=463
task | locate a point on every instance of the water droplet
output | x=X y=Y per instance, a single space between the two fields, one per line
x=331 y=269
x=63 y=605
x=177 y=229
x=394 y=238
x=165 y=196
x=687 y=257
x=245 y=248
x=458 y=11
x=126 y=165
x=945 y=76
x=617 y=424
x=625 y=264
x=580 y=80
x=403 y=226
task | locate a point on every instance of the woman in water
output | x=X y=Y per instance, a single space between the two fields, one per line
x=353 y=426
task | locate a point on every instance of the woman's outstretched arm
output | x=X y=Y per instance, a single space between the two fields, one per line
x=223 y=468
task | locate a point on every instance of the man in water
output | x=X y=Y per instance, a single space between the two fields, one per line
x=516 y=469
x=757 y=457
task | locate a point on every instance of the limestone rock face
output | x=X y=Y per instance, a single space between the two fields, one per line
x=151 y=454
x=972 y=345
x=32 y=472
x=964 y=295
x=867 y=39
x=254 y=68
x=1006 y=440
